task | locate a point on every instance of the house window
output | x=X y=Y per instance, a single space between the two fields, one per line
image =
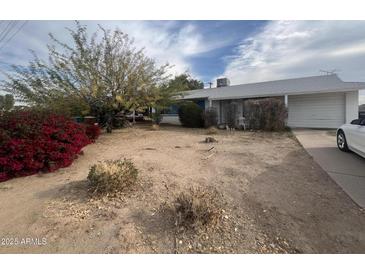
x=200 y=103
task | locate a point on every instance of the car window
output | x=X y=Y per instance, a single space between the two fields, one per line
x=362 y=122
x=355 y=122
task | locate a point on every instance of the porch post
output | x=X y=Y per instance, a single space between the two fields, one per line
x=286 y=100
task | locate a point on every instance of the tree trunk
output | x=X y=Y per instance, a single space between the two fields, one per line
x=109 y=123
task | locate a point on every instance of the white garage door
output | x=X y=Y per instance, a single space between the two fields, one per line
x=316 y=110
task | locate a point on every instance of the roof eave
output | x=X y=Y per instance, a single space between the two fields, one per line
x=283 y=94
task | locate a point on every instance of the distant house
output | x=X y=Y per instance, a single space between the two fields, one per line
x=313 y=102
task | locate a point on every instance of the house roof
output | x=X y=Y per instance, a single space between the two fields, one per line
x=306 y=85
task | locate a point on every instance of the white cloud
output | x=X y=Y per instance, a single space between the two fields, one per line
x=284 y=49
x=164 y=44
x=349 y=50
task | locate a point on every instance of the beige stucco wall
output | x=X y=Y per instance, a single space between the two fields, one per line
x=170 y=119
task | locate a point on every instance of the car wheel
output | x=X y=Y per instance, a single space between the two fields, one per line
x=341 y=141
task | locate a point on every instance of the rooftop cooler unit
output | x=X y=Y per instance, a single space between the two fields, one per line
x=222 y=82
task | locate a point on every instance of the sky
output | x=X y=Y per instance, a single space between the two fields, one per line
x=243 y=51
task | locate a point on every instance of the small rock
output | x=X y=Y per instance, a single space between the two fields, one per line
x=180 y=242
x=210 y=140
x=226 y=217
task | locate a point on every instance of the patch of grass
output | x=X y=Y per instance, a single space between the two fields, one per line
x=5 y=187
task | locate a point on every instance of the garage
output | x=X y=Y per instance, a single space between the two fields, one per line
x=327 y=110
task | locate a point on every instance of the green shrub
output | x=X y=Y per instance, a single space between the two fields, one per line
x=156 y=117
x=112 y=176
x=190 y=115
x=210 y=117
x=198 y=207
x=119 y=122
x=266 y=114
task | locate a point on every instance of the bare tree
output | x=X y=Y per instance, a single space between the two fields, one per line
x=104 y=73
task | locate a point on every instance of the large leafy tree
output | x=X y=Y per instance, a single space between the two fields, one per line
x=102 y=74
x=170 y=91
x=184 y=82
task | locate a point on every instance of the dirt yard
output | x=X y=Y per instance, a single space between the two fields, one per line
x=277 y=199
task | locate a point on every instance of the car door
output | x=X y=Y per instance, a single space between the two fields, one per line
x=351 y=132
x=360 y=137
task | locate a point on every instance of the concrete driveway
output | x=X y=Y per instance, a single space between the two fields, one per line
x=346 y=169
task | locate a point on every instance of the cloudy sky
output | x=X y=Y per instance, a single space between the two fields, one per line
x=243 y=51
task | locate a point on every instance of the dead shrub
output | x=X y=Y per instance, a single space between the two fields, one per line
x=231 y=113
x=210 y=117
x=155 y=127
x=266 y=114
x=112 y=176
x=212 y=130
x=198 y=207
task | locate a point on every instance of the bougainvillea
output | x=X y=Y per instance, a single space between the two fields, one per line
x=92 y=131
x=33 y=141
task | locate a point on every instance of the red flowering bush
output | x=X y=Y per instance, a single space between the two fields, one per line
x=33 y=141
x=92 y=131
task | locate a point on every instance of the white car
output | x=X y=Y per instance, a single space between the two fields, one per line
x=352 y=137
